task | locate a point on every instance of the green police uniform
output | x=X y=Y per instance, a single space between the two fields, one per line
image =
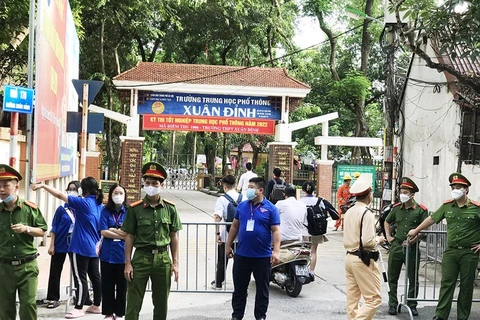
x=406 y=219
x=463 y=225
x=151 y=227
x=18 y=264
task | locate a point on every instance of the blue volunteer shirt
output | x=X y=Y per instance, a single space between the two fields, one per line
x=87 y=217
x=256 y=243
x=113 y=250
x=60 y=226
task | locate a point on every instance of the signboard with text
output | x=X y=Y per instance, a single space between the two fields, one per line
x=210 y=124
x=18 y=99
x=350 y=169
x=207 y=105
x=131 y=174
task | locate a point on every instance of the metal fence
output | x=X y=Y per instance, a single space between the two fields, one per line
x=429 y=273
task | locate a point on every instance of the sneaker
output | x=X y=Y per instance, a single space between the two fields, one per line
x=414 y=311
x=213 y=284
x=392 y=310
x=335 y=229
x=110 y=317
x=75 y=313
x=94 y=309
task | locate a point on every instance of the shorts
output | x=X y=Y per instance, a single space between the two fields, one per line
x=316 y=239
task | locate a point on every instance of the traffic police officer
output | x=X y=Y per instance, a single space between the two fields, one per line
x=20 y=221
x=360 y=241
x=463 y=244
x=151 y=225
x=407 y=214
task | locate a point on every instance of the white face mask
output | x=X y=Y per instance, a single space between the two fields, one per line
x=152 y=191
x=118 y=198
x=404 y=198
x=10 y=198
x=80 y=191
x=72 y=193
x=457 y=193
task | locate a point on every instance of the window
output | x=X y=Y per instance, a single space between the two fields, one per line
x=470 y=136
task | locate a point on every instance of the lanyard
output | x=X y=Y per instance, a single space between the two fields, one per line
x=252 y=211
x=115 y=221
x=70 y=214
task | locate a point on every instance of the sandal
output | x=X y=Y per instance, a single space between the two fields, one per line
x=75 y=313
x=53 y=304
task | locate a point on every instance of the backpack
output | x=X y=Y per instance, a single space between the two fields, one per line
x=278 y=192
x=317 y=218
x=231 y=208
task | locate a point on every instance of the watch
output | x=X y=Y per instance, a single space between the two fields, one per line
x=28 y=229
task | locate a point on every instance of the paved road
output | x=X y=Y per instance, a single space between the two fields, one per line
x=323 y=299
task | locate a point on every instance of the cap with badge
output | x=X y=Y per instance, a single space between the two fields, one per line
x=408 y=183
x=457 y=178
x=362 y=186
x=9 y=173
x=154 y=170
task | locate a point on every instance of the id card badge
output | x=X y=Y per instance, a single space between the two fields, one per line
x=250 y=225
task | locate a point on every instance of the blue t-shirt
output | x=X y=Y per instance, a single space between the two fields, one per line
x=113 y=250
x=256 y=243
x=60 y=226
x=85 y=233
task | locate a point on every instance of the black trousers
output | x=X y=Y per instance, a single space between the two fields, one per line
x=243 y=267
x=81 y=266
x=222 y=263
x=114 y=289
x=56 y=267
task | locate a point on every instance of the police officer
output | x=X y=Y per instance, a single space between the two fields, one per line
x=406 y=214
x=360 y=241
x=151 y=225
x=463 y=244
x=20 y=221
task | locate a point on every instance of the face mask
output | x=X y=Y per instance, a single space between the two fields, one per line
x=251 y=194
x=152 y=191
x=118 y=199
x=404 y=198
x=72 y=193
x=10 y=198
x=80 y=191
x=457 y=193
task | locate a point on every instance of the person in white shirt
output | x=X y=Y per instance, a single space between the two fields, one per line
x=293 y=215
x=220 y=214
x=244 y=178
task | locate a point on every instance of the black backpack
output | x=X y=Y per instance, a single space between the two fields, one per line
x=278 y=191
x=231 y=208
x=317 y=219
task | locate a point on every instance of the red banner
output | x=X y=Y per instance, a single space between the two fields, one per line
x=209 y=124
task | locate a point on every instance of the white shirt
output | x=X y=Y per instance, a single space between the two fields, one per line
x=221 y=211
x=293 y=218
x=243 y=182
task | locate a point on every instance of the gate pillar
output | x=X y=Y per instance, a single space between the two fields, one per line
x=280 y=155
x=325 y=179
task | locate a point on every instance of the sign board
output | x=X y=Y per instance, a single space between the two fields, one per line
x=211 y=124
x=350 y=169
x=207 y=105
x=18 y=99
x=131 y=174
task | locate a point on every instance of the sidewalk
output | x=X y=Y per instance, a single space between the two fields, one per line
x=325 y=298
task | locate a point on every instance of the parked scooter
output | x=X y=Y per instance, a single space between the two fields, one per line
x=292 y=272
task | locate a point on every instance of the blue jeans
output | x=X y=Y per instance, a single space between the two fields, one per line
x=242 y=270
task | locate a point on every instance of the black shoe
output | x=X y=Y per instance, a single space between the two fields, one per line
x=414 y=311
x=392 y=310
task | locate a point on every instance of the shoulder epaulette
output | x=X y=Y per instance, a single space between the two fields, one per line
x=169 y=202
x=475 y=203
x=397 y=204
x=136 y=203
x=448 y=201
x=31 y=204
x=422 y=206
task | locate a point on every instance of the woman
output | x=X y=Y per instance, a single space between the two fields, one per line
x=85 y=235
x=112 y=254
x=62 y=227
x=311 y=200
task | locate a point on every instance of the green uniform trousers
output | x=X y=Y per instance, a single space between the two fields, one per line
x=396 y=259
x=23 y=278
x=455 y=261
x=157 y=268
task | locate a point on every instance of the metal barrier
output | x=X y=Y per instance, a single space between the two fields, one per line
x=430 y=251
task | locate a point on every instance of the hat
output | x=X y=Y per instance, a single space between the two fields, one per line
x=9 y=173
x=356 y=175
x=457 y=178
x=362 y=186
x=409 y=184
x=154 y=170
x=347 y=177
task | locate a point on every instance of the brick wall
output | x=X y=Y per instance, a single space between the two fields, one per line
x=92 y=168
x=324 y=179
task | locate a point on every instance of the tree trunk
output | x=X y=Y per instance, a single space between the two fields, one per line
x=333 y=44
x=366 y=40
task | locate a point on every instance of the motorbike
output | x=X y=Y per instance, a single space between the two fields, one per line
x=292 y=272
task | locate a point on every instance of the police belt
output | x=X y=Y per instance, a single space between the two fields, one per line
x=18 y=262
x=152 y=250
x=372 y=254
